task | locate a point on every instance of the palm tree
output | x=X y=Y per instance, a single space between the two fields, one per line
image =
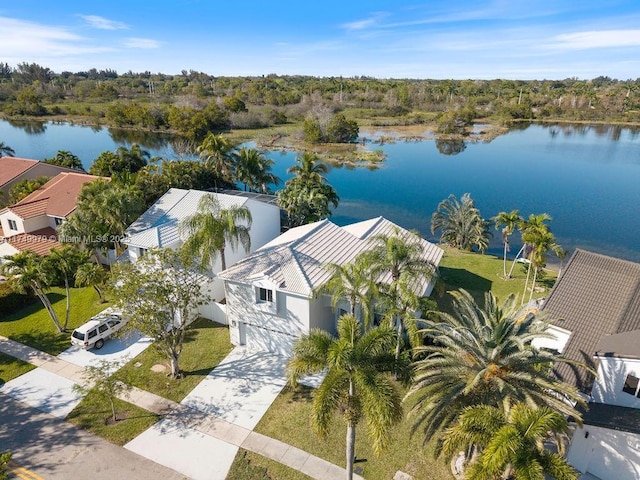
x=212 y=227
x=92 y=274
x=67 y=159
x=351 y=281
x=461 y=223
x=253 y=169
x=397 y=262
x=6 y=150
x=511 y=444
x=482 y=355
x=538 y=239
x=64 y=263
x=530 y=226
x=309 y=168
x=508 y=221
x=24 y=272
x=215 y=151
x=355 y=383
x=542 y=243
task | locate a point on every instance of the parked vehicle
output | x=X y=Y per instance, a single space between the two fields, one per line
x=96 y=331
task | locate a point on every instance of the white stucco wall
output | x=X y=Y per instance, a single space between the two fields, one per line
x=607 y=454
x=6 y=250
x=612 y=373
x=558 y=343
x=4 y=221
x=36 y=223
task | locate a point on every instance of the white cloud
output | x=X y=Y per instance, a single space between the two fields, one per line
x=597 y=39
x=102 y=23
x=135 y=42
x=371 y=21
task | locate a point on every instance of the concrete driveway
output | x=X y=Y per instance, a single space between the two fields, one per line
x=114 y=350
x=241 y=388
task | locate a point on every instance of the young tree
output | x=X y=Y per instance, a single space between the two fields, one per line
x=461 y=223
x=509 y=221
x=24 y=272
x=161 y=292
x=212 y=228
x=355 y=384
x=483 y=355
x=100 y=378
x=511 y=444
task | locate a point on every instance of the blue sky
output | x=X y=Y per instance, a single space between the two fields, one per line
x=534 y=39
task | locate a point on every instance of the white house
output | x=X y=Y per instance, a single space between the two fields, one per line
x=270 y=294
x=32 y=223
x=159 y=227
x=596 y=303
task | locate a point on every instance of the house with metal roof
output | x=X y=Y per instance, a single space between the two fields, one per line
x=32 y=223
x=270 y=294
x=596 y=304
x=158 y=227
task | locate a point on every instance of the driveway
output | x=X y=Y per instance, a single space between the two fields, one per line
x=241 y=388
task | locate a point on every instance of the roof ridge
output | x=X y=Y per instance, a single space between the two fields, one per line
x=320 y=223
x=21 y=203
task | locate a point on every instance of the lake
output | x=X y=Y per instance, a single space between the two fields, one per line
x=586 y=177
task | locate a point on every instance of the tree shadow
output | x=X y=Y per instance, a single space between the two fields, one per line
x=49 y=342
x=459 y=278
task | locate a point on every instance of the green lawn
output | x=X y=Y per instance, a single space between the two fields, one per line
x=93 y=411
x=251 y=466
x=288 y=420
x=11 y=368
x=480 y=273
x=33 y=326
x=205 y=345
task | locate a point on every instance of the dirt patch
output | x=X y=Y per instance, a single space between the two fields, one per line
x=159 y=368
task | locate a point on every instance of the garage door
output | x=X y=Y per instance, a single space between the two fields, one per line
x=265 y=340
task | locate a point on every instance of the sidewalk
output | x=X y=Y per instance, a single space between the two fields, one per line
x=186 y=417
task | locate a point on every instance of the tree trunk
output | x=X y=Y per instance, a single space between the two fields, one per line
x=66 y=316
x=526 y=282
x=47 y=305
x=173 y=360
x=223 y=260
x=113 y=409
x=399 y=342
x=533 y=285
x=351 y=439
x=504 y=260
x=514 y=261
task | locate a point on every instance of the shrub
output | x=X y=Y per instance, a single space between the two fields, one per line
x=11 y=301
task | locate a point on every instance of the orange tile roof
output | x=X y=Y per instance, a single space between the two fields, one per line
x=61 y=193
x=39 y=241
x=12 y=167
x=30 y=209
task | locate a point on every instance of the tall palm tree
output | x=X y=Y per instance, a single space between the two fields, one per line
x=396 y=262
x=63 y=263
x=309 y=168
x=351 y=281
x=355 y=383
x=542 y=244
x=482 y=354
x=6 y=150
x=92 y=274
x=461 y=224
x=253 y=170
x=509 y=222
x=511 y=443
x=216 y=152
x=533 y=224
x=537 y=238
x=212 y=228
x=24 y=272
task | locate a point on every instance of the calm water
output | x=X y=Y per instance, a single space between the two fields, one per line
x=586 y=178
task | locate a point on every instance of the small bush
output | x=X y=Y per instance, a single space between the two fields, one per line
x=10 y=301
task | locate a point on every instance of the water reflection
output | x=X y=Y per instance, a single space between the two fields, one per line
x=30 y=127
x=150 y=140
x=610 y=132
x=450 y=147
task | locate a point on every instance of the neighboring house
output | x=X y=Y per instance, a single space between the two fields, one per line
x=596 y=302
x=32 y=223
x=270 y=294
x=14 y=170
x=159 y=227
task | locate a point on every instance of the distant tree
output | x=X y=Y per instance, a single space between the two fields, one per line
x=6 y=150
x=216 y=152
x=341 y=130
x=24 y=272
x=461 y=224
x=234 y=104
x=355 y=382
x=65 y=159
x=253 y=170
x=100 y=379
x=212 y=228
x=24 y=188
x=161 y=292
x=124 y=160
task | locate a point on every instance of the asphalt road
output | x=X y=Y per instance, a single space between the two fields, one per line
x=56 y=450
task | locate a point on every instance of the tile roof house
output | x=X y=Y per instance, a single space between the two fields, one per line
x=270 y=294
x=14 y=170
x=31 y=223
x=159 y=227
x=597 y=303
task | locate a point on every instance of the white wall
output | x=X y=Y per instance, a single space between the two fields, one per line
x=6 y=250
x=612 y=373
x=607 y=454
x=36 y=223
x=265 y=225
x=558 y=343
x=4 y=221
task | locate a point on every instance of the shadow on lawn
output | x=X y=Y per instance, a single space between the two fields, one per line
x=31 y=308
x=49 y=342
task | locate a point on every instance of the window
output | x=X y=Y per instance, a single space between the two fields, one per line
x=265 y=295
x=113 y=323
x=630 y=385
x=58 y=221
x=13 y=225
x=103 y=328
x=142 y=251
x=92 y=333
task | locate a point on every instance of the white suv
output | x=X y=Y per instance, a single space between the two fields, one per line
x=97 y=330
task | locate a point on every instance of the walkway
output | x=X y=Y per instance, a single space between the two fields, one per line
x=184 y=418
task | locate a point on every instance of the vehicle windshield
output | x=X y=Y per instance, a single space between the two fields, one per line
x=78 y=335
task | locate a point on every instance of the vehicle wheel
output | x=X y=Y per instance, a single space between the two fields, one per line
x=99 y=344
